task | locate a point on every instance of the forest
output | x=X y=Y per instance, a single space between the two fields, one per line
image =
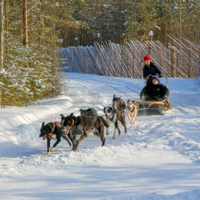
x=32 y=32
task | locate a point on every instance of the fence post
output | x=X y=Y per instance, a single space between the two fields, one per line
x=98 y=38
x=151 y=37
x=173 y=67
x=61 y=43
x=199 y=61
x=169 y=56
x=160 y=57
x=189 y=64
x=123 y=39
x=76 y=42
x=134 y=64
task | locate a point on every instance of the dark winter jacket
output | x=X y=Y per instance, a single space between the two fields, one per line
x=154 y=92
x=152 y=69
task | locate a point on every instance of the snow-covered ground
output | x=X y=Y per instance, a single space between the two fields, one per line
x=159 y=159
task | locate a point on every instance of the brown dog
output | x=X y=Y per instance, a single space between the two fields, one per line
x=114 y=116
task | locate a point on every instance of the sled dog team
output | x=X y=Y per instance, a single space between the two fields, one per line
x=89 y=121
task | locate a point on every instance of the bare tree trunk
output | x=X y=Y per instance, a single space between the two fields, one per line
x=2 y=47
x=2 y=35
x=25 y=41
x=42 y=24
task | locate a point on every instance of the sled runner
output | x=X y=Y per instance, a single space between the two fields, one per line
x=154 y=107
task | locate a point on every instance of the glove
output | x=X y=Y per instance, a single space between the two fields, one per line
x=142 y=97
x=150 y=75
x=160 y=75
x=166 y=98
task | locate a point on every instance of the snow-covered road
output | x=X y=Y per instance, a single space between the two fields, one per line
x=158 y=159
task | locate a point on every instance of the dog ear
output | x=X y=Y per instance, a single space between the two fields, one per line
x=43 y=124
x=80 y=110
x=113 y=96
x=104 y=109
x=133 y=101
x=71 y=114
x=62 y=115
x=110 y=109
x=128 y=101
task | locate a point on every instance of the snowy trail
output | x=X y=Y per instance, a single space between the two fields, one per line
x=158 y=159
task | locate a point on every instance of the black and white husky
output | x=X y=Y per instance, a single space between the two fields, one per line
x=114 y=115
x=132 y=109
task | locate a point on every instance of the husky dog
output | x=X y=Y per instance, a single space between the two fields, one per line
x=115 y=115
x=132 y=109
x=118 y=103
x=82 y=125
x=90 y=112
x=52 y=130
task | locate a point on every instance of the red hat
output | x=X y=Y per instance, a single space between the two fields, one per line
x=147 y=58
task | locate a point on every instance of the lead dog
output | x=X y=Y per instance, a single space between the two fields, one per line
x=132 y=109
x=52 y=130
x=83 y=125
x=115 y=115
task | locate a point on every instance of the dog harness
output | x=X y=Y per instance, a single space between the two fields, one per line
x=113 y=114
x=72 y=123
x=132 y=110
x=51 y=135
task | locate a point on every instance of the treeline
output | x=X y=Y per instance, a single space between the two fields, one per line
x=29 y=64
x=134 y=18
x=32 y=30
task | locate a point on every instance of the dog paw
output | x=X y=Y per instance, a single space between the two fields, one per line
x=113 y=138
x=125 y=133
x=74 y=149
x=107 y=133
x=52 y=149
x=48 y=154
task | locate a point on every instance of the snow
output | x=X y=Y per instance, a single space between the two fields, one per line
x=158 y=159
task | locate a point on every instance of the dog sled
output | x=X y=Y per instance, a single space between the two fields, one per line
x=154 y=107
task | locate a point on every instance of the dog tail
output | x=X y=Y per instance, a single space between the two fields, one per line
x=104 y=122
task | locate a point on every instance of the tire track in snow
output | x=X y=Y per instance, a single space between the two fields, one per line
x=161 y=129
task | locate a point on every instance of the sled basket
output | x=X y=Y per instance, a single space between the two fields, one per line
x=152 y=107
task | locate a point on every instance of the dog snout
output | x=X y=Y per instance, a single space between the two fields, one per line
x=65 y=130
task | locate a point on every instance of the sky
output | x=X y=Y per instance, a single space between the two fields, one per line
x=158 y=159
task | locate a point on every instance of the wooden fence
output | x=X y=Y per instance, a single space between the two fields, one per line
x=181 y=58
